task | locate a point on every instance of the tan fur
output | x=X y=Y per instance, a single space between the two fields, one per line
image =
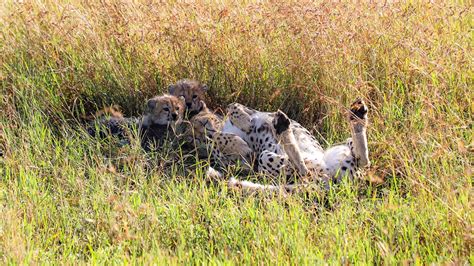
x=231 y=145
x=113 y=111
x=162 y=110
x=239 y=117
x=288 y=141
x=204 y=123
x=359 y=133
x=193 y=92
x=228 y=148
x=110 y=111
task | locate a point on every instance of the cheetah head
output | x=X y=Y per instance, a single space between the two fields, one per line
x=204 y=125
x=193 y=92
x=163 y=110
x=110 y=112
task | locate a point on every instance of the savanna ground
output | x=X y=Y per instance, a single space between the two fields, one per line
x=66 y=197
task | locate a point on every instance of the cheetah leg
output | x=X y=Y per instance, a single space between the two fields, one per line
x=287 y=140
x=271 y=163
x=358 y=122
x=227 y=149
x=268 y=163
x=230 y=148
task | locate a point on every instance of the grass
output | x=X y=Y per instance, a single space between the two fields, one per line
x=68 y=198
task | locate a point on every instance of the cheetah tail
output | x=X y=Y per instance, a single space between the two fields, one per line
x=249 y=186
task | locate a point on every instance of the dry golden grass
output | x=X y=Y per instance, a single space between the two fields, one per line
x=61 y=60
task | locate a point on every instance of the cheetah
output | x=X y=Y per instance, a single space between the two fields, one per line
x=193 y=93
x=228 y=144
x=162 y=113
x=164 y=110
x=283 y=146
x=226 y=148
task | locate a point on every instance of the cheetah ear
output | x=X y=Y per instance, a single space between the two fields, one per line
x=171 y=89
x=203 y=107
x=182 y=100
x=151 y=104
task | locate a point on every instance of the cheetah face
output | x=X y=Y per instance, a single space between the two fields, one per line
x=204 y=125
x=163 y=110
x=193 y=92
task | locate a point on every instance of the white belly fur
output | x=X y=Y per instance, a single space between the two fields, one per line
x=229 y=128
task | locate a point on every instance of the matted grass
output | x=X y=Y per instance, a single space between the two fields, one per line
x=69 y=198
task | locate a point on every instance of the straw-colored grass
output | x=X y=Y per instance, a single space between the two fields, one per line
x=69 y=198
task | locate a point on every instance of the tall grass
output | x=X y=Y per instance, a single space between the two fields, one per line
x=66 y=197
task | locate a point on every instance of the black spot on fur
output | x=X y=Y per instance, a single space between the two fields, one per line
x=271 y=159
x=343 y=168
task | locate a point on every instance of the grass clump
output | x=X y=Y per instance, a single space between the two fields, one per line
x=66 y=197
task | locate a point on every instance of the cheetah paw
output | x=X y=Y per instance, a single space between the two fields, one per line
x=358 y=110
x=239 y=117
x=281 y=122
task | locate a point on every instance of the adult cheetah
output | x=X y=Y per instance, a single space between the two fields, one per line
x=283 y=147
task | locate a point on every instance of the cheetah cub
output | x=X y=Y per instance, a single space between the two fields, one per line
x=226 y=148
x=162 y=113
x=193 y=93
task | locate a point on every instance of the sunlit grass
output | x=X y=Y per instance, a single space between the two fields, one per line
x=67 y=197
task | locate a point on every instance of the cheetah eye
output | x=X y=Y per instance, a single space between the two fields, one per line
x=195 y=96
x=177 y=108
x=166 y=109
